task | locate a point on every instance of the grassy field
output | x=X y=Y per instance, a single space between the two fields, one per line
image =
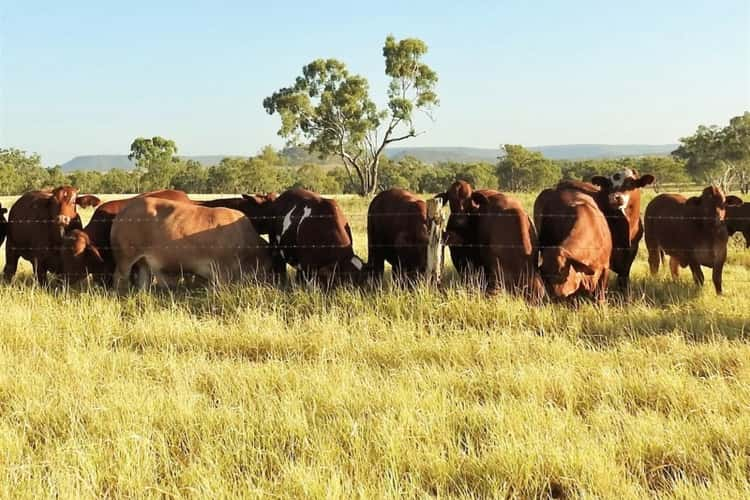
x=254 y=391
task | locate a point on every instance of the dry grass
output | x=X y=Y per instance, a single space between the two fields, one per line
x=253 y=391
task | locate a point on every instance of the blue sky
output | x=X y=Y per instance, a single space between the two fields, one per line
x=87 y=77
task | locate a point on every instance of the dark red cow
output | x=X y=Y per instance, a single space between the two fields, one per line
x=397 y=233
x=507 y=245
x=692 y=231
x=256 y=207
x=311 y=233
x=89 y=251
x=738 y=221
x=461 y=225
x=37 y=223
x=3 y=224
x=574 y=240
x=620 y=202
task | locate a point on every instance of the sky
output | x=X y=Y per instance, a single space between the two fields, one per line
x=82 y=77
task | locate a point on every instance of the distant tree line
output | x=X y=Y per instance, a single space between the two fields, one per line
x=711 y=155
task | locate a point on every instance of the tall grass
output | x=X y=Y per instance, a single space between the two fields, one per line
x=255 y=391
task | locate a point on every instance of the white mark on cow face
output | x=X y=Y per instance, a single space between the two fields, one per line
x=287 y=222
x=278 y=238
x=357 y=263
x=618 y=178
x=619 y=200
x=305 y=214
x=282 y=255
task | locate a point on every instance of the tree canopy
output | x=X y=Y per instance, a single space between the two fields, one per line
x=331 y=109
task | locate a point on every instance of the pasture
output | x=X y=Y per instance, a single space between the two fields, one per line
x=252 y=390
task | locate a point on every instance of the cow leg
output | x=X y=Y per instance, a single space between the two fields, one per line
x=376 y=262
x=11 y=262
x=40 y=270
x=716 y=276
x=674 y=267
x=600 y=292
x=654 y=259
x=121 y=277
x=695 y=268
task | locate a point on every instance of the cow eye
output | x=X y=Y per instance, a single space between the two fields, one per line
x=616 y=177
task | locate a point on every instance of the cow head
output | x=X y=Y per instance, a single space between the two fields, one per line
x=738 y=220
x=80 y=256
x=562 y=271
x=63 y=203
x=712 y=205
x=459 y=198
x=258 y=208
x=349 y=270
x=622 y=188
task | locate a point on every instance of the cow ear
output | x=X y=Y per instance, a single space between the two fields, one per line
x=79 y=245
x=443 y=197
x=733 y=201
x=601 y=181
x=580 y=267
x=87 y=200
x=645 y=180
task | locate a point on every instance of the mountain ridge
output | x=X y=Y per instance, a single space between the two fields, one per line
x=426 y=154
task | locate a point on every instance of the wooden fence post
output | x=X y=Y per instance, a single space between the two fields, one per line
x=437 y=220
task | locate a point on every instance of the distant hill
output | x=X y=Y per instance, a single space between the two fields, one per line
x=102 y=163
x=561 y=152
x=297 y=156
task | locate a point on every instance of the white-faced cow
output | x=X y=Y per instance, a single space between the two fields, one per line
x=620 y=201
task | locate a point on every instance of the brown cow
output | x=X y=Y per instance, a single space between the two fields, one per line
x=574 y=239
x=620 y=202
x=692 y=231
x=311 y=233
x=397 y=233
x=461 y=225
x=3 y=224
x=217 y=244
x=507 y=244
x=89 y=251
x=36 y=225
x=738 y=220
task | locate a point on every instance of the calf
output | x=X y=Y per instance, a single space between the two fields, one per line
x=89 y=251
x=217 y=244
x=461 y=225
x=311 y=233
x=36 y=225
x=507 y=245
x=692 y=231
x=620 y=201
x=397 y=232
x=574 y=239
x=3 y=224
x=738 y=220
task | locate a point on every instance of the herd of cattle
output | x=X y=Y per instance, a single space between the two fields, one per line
x=579 y=232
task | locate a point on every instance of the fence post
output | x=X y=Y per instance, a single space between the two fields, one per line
x=437 y=220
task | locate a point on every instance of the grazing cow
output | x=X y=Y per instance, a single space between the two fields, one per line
x=620 y=201
x=256 y=207
x=507 y=244
x=461 y=225
x=89 y=251
x=397 y=232
x=3 y=224
x=738 y=220
x=217 y=244
x=692 y=231
x=311 y=233
x=574 y=239
x=36 y=225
